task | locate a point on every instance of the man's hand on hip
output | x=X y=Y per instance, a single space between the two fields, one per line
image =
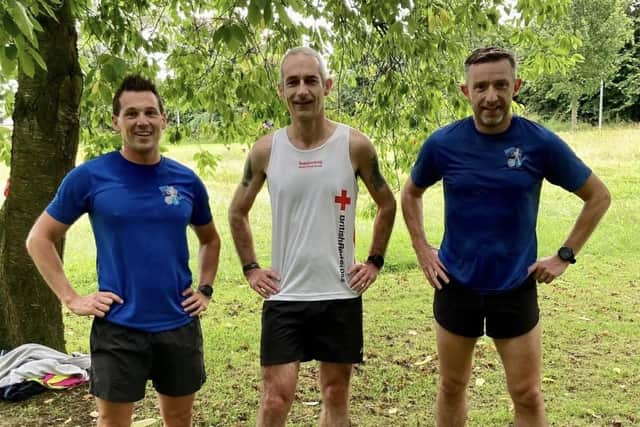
x=97 y=304
x=263 y=281
x=545 y=270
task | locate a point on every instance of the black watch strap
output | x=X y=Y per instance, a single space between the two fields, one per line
x=377 y=260
x=251 y=266
x=206 y=289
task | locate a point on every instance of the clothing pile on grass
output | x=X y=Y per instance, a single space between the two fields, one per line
x=33 y=368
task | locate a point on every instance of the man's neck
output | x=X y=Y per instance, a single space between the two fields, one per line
x=310 y=133
x=150 y=158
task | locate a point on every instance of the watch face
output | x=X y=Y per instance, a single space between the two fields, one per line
x=566 y=254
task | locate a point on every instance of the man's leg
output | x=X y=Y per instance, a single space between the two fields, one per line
x=335 y=382
x=176 y=411
x=278 y=391
x=521 y=357
x=455 y=354
x=114 y=414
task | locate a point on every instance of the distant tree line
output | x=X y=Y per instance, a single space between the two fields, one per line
x=550 y=96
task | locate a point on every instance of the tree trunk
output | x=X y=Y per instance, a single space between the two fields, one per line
x=574 y=113
x=44 y=146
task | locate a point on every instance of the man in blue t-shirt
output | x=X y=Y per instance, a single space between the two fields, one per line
x=492 y=166
x=145 y=311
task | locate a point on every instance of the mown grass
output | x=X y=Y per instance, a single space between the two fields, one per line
x=590 y=317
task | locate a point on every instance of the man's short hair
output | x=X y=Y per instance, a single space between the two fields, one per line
x=324 y=73
x=490 y=54
x=135 y=83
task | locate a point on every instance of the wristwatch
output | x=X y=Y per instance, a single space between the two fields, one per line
x=206 y=290
x=377 y=260
x=565 y=253
x=251 y=266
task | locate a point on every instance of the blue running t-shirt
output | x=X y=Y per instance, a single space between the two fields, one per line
x=491 y=192
x=139 y=215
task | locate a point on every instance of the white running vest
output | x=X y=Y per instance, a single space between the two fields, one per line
x=313 y=203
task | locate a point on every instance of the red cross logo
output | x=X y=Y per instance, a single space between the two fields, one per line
x=343 y=200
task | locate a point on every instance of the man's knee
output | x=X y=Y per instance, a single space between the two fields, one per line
x=452 y=387
x=276 y=401
x=111 y=420
x=335 y=394
x=527 y=396
x=177 y=417
x=113 y=414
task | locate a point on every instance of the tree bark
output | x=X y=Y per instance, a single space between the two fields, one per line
x=574 y=113
x=44 y=147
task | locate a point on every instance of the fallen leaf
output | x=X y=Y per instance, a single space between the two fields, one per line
x=393 y=411
x=423 y=362
x=48 y=401
x=144 y=423
x=586 y=319
x=94 y=414
x=480 y=382
x=593 y=414
x=313 y=403
x=412 y=332
x=548 y=380
x=617 y=370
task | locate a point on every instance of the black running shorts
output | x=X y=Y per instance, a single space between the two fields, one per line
x=123 y=359
x=328 y=331
x=509 y=314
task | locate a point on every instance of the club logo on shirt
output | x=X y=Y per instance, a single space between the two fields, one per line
x=343 y=200
x=515 y=157
x=310 y=164
x=171 y=195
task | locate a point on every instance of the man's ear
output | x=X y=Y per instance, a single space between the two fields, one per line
x=465 y=89
x=114 y=123
x=516 y=87
x=328 y=84
x=280 y=90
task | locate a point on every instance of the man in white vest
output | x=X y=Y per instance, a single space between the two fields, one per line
x=312 y=291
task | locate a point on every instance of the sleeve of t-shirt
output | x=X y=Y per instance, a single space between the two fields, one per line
x=201 y=214
x=426 y=171
x=564 y=168
x=72 y=198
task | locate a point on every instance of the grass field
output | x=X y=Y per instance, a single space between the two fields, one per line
x=590 y=317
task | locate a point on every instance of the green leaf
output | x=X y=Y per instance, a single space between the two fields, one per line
x=283 y=15
x=11 y=51
x=21 y=19
x=7 y=65
x=36 y=25
x=268 y=14
x=237 y=37
x=10 y=26
x=36 y=56
x=26 y=63
x=105 y=94
x=254 y=15
x=221 y=34
x=49 y=11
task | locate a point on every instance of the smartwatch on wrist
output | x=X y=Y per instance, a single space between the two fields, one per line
x=251 y=266
x=206 y=290
x=377 y=260
x=566 y=254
